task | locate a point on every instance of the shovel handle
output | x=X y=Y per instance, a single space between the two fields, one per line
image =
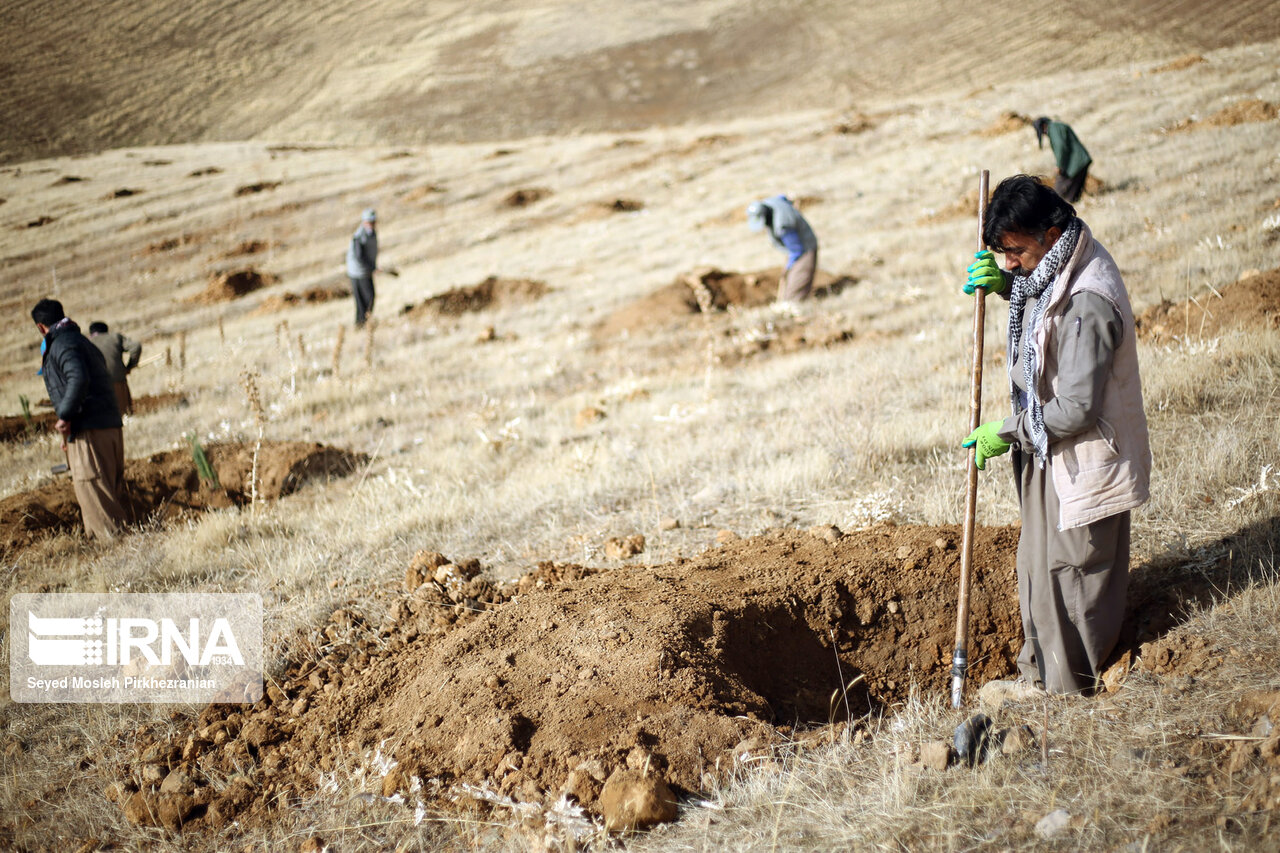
x=960 y=658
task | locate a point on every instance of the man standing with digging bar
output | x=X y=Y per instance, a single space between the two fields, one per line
x=1081 y=454
x=84 y=399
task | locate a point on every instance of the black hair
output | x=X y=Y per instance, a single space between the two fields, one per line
x=47 y=312
x=97 y=327
x=1024 y=205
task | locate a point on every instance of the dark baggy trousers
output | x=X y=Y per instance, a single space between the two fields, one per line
x=1070 y=188
x=96 y=458
x=1072 y=586
x=124 y=399
x=362 y=290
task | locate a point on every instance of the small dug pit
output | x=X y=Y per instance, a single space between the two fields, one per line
x=248 y=247
x=708 y=289
x=311 y=296
x=491 y=294
x=1252 y=302
x=679 y=669
x=167 y=485
x=525 y=197
x=229 y=286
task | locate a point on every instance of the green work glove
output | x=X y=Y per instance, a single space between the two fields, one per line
x=984 y=272
x=988 y=442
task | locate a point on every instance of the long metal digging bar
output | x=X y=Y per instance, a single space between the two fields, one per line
x=960 y=658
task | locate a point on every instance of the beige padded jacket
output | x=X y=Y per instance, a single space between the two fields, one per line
x=1106 y=469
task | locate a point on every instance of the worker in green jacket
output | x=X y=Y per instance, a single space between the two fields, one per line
x=1073 y=158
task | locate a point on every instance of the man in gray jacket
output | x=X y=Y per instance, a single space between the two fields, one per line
x=1081 y=454
x=362 y=263
x=113 y=347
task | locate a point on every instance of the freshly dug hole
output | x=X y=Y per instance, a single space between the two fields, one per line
x=227 y=286
x=490 y=294
x=678 y=300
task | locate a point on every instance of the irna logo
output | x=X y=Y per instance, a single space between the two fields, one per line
x=94 y=641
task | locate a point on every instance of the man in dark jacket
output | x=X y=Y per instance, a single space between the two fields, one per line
x=80 y=388
x=1072 y=157
x=362 y=263
x=113 y=347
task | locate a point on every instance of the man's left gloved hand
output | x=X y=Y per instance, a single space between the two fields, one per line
x=988 y=443
x=984 y=272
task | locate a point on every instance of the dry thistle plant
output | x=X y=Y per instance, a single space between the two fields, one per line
x=182 y=359
x=368 y=345
x=249 y=380
x=706 y=303
x=337 y=349
x=222 y=334
x=302 y=349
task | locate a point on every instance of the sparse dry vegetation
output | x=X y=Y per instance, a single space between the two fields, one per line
x=466 y=439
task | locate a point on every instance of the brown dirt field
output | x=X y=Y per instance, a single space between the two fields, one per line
x=311 y=296
x=1250 y=302
x=1241 y=112
x=679 y=300
x=578 y=669
x=226 y=286
x=166 y=485
x=490 y=294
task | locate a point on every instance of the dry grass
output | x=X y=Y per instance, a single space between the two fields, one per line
x=475 y=452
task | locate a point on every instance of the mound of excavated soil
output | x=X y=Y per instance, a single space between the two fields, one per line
x=1180 y=64
x=1250 y=302
x=1009 y=122
x=311 y=296
x=716 y=288
x=226 y=286
x=1241 y=112
x=18 y=428
x=965 y=205
x=155 y=402
x=248 y=247
x=490 y=294
x=550 y=685
x=14 y=427
x=586 y=671
x=167 y=485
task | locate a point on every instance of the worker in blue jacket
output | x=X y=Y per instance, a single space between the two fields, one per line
x=791 y=233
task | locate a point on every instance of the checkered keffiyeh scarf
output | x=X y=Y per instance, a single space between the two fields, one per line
x=1033 y=287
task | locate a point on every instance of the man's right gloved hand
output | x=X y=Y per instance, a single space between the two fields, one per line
x=985 y=273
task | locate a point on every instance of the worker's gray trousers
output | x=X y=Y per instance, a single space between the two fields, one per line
x=1071 y=587
x=797 y=279
x=362 y=290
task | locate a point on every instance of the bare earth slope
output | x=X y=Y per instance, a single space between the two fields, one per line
x=159 y=71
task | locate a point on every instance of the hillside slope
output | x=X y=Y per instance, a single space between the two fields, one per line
x=398 y=72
